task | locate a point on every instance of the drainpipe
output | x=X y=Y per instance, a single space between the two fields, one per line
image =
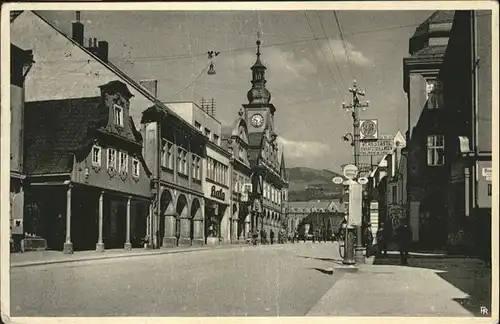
x=475 y=131
x=154 y=230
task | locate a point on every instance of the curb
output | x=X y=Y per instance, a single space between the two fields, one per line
x=124 y=255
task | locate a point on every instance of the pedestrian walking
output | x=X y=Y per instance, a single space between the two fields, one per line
x=272 y=236
x=382 y=239
x=368 y=238
x=403 y=237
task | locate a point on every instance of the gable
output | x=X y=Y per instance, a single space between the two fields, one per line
x=62 y=69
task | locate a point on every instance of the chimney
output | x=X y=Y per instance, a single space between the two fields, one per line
x=103 y=50
x=77 y=29
x=151 y=86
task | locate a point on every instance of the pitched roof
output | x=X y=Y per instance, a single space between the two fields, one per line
x=438 y=17
x=113 y=68
x=55 y=129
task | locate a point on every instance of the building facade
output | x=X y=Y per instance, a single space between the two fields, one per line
x=315 y=217
x=466 y=80
x=87 y=183
x=267 y=162
x=235 y=140
x=21 y=62
x=449 y=150
x=421 y=71
x=75 y=67
x=217 y=167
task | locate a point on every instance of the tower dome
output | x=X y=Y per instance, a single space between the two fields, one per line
x=258 y=94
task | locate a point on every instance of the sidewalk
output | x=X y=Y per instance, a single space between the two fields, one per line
x=427 y=287
x=34 y=258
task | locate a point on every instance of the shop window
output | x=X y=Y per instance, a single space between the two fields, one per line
x=96 y=156
x=435 y=150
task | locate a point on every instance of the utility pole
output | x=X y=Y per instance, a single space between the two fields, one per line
x=354 y=109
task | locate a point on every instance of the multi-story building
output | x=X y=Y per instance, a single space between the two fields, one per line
x=267 y=161
x=421 y=70
x=449 y=150
x=177 y=151
x=235 y=140
x=88 y=184
x=466 y=131
x=71 y=70
x=21 y=62
x=216 y=171
x=318 y=215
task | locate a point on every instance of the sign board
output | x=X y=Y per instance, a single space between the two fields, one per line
x=338 y=180
x=350 y=171
x=245 y=193
x=487 y=172
x=368 y=129
x=363 y=180
x=382 y=146
x=16 y=213
x=483 y=199
x=374 y=219
x=355 y=204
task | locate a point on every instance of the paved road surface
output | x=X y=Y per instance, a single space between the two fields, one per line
x=284 y=280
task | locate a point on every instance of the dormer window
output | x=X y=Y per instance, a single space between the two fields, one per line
x=135 y=167
x=96 y=156
x=118 y=110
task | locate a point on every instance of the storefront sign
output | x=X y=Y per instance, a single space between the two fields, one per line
x=383 y=145
x=218 y=194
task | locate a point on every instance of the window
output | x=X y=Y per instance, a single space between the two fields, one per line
x=198 y=126
x=216 y=139
x=217 y=171
x=118 y=115
x=167 y=154
x=96 y=156
x=123 y=162
x=163 y=152
x=135 y=167
x=489 y=189
x=394 y=195
x=435 y=150
x=182 y=166
x=241 y=154
x=196 y=167
x=208 y=133
x=434 y=94
x=429 y=87
x=111 y=158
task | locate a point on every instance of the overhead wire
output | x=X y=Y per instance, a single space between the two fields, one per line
x=344 y=44
x=188 y=56
x=323 y=54
x=331 y=50
x=192 y=82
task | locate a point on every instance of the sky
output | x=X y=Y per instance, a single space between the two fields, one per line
x=308 y=71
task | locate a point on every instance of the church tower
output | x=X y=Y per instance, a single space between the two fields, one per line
x=259 y=112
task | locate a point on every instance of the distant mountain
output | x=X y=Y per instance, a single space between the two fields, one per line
x=308 y=183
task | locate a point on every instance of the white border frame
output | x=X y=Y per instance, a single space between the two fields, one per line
x=193 y=6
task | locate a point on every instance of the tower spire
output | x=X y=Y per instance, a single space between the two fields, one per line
x=258 y=94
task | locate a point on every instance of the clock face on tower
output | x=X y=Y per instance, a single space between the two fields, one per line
x=257 y=120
